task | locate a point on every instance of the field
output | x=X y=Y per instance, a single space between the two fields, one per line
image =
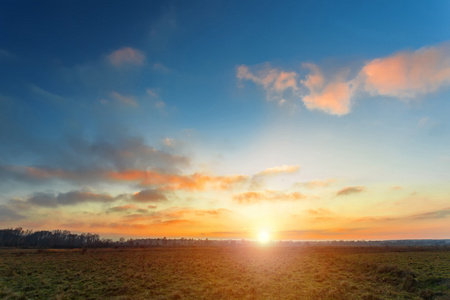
x=226 y=273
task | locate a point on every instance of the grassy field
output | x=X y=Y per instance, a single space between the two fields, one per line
x=226 y=273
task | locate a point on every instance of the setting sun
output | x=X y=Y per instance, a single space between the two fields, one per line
x=264 y=237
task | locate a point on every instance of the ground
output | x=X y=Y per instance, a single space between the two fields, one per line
x=226 y=273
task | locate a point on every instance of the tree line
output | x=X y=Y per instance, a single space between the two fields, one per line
x=17 y=237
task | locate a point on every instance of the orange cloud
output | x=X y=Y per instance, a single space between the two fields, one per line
x=408 y=74
x=285 y=80
x=267 y=196
x=333 y=97
x=316 y=183
x=195 y=181
x=280 y=170
x=126 y=55
x=181 y=212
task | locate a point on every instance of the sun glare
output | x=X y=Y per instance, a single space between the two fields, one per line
x=264 y=237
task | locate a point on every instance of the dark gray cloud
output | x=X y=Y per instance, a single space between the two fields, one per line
x=81 y=161
x=128 y=153
x=75 y=197
x=15 y=173
x=43 y=199
x=69 y=198
x=149 y=196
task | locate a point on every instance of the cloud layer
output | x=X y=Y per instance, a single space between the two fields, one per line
x=403 y=75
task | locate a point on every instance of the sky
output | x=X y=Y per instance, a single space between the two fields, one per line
x=308 y=120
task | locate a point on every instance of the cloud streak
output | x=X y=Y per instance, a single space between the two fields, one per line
x=125 y=100
x=196 y=181
x=438 y=214
x=69 y=198
x=316 y=183
x=267 y=196
x=350 y=190
x=284 y=169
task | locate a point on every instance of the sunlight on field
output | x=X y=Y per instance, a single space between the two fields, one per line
x=226 y=273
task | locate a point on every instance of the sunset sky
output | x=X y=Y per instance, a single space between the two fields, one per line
x=312 y=120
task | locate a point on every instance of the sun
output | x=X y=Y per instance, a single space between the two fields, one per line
x=263 y=237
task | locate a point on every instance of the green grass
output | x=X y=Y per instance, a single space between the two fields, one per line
x=225 y=273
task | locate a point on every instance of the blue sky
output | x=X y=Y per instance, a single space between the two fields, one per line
x=199 y=105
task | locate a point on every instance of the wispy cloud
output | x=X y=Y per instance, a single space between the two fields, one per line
x=319 y=233
x=169 y=142
x=52 y=96
x=160 y=67
x=437 y=214
x=350 y=190
x=267 y=196
x=275 y=82
x=123 y=208
x=259 y=178
x=4 y=55
x=396 y=188
x=284 y=169
x=126 y=100
x=154 y=95
x=316 y=183
x=126 y=56
x=319 y=211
